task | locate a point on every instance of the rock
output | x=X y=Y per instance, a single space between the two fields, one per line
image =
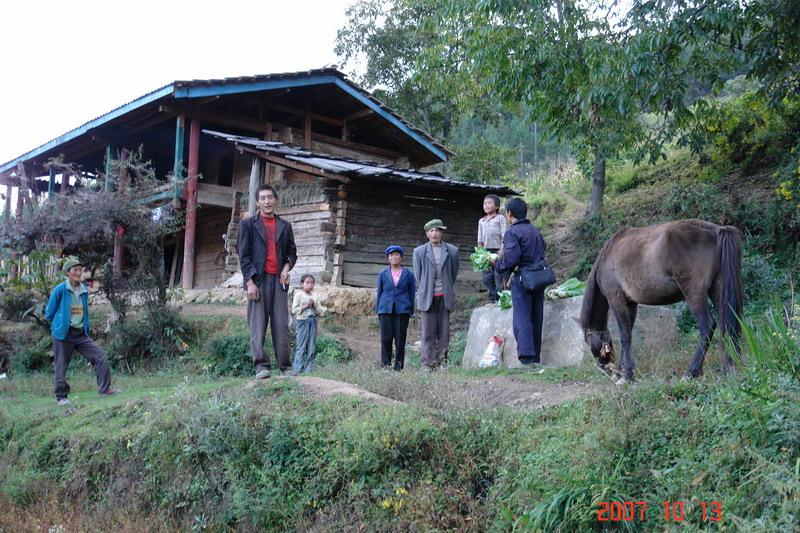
x=562 y=338
x=236 y=281
x=344 y=300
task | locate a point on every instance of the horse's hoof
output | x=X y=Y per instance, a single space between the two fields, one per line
x=622 y=381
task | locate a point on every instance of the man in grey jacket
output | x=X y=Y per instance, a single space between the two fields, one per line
x=436 y=270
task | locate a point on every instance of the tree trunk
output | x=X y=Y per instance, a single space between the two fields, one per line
x=598 y=186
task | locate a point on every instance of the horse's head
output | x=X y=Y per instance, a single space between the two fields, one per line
x=600 y=344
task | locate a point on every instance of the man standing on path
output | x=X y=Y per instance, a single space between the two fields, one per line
x=267 y=253
x=436 y=270
x=68 y=313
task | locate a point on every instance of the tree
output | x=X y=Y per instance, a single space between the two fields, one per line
x=386 y=40
x=61 y=224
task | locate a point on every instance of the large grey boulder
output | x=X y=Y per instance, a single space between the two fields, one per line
x=562 y=338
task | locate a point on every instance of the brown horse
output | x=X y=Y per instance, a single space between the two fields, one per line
x=688 y=260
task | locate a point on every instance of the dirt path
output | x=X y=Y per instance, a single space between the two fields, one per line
x=364 y=341
x=213 y=309
x=561 y=252
x=495 y=391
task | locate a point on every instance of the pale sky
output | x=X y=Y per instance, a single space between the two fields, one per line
x=66 y=62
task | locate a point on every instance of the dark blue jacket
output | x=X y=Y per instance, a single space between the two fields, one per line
x=523 y=246
x=57 y=311
x=400 y=298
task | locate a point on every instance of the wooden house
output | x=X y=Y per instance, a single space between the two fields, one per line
x=345 y=166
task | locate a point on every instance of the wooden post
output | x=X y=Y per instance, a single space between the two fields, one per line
x=187 y=275
x=119 y=232
x=19 y=202
x=307 y=128
x=122 y=179
x=7 y=210
x=51 y=184
x=174 y=266
x=345 y=132
x=109 y=167
x=255 y=174
x=177 y=168
x=23 y=198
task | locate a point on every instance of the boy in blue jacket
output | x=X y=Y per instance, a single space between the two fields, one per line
x=68 y=314
x=394 y=304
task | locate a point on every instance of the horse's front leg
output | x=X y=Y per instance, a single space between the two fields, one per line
x=625 y=316
x=706 y=325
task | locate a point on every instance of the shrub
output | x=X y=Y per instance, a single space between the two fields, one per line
x=229 y=354
x=15 y=301
x=762 y=282
x=30 y=351
x=329 y=350
x=457 y=346
x=155 y=335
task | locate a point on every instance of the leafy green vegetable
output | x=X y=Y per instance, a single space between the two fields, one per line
x=571 y=287
x=480 y=259
x=505 y=299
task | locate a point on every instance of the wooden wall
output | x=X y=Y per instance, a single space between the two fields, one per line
x=212 y=223
x=383 y=214
x=313 y=235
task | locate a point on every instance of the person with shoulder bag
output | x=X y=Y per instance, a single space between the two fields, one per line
x=523 y=251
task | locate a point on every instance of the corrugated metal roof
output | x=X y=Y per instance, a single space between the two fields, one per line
x=354 y=168
x=202 y=88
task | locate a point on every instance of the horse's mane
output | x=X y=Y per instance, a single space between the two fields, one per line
x=589 y=296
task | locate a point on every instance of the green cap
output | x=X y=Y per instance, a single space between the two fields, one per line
x=71 y=262
x=435 y=223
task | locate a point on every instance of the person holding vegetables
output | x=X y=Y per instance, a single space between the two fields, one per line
x=523 y=246
x=491 y=229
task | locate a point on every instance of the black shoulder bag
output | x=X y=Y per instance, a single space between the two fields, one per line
x=536 y=277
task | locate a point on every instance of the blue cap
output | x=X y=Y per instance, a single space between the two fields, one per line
x=394 y=248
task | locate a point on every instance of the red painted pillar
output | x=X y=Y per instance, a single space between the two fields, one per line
x=187 y=275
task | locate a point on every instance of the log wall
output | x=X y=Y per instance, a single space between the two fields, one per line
x=383 y=214
x=212 y=223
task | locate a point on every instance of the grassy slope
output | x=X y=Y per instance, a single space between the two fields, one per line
x=199 y=451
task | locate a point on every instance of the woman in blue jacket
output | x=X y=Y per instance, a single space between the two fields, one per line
x=394 y=305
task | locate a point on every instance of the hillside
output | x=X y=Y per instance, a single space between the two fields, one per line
x=194 y=443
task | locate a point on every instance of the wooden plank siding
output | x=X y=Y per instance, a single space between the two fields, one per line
x=212 y=223
x=383 y=214
x=341 y=235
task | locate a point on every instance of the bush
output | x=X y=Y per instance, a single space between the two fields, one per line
x=457 y=346
x=31 y=351
x=763 y=283
x=15 y=301
x=155 y=335
x=229 y=354
x=329 y=350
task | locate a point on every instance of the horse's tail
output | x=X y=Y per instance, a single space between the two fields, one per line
x=731 y=298
x=588 y=298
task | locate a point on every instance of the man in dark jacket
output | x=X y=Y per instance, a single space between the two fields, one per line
x=267 y=253
x=523 y=247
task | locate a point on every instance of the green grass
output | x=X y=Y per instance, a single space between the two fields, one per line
x=227 y=454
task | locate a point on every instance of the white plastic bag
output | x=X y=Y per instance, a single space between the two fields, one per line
x=493 y=355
